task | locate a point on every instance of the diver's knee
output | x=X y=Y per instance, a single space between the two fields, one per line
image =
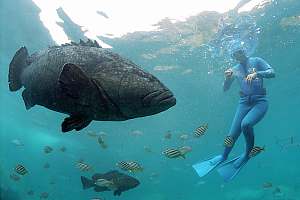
x=245 y=126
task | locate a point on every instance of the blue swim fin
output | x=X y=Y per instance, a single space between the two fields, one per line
x=204 y=167
x=229 y=169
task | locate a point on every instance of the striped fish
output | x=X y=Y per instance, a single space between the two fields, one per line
x=173 y=153
x=228 y=142
x=200 y=131
x=130 y=166
x=256 y=150
x=20 y=169
x=83 y=166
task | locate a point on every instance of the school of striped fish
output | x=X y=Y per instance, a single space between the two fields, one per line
x=131 y=166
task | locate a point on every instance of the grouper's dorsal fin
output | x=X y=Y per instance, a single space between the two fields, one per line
x=16 y=68
x=88 y=43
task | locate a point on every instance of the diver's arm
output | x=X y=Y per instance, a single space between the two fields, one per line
x=265 y=70
x=229 y=78
x=269 y=73
x=227 y=83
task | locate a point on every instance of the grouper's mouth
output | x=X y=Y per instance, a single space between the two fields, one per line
x=161 y=98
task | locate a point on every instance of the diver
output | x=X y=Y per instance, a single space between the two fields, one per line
x=252 y=107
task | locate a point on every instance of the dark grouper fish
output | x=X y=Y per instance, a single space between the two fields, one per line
x=88 y=83
x=119 y=182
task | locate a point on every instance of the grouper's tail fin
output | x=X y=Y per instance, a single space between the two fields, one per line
x=16 y=67
x=87 y=183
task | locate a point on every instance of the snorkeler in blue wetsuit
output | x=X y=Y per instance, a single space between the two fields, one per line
x=252 y=107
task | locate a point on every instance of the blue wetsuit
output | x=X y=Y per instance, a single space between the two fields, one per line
x=253 y=103
x=252 y=107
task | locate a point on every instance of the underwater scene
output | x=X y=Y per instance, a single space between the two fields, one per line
x=136 y=100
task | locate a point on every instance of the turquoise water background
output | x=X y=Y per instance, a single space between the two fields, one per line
x=200 y=99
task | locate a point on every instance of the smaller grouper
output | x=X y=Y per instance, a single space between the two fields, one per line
x=111 y=181
x=88 y=83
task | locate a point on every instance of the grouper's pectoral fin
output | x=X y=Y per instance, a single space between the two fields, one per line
x=75 y=83
x=117 y=192
x=27 y=98
x=100 y=189
x=74 y=122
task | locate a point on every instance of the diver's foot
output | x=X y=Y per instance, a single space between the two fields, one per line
x=241 y=161
x=217 y=160
x=231 y=168
x=204 y=167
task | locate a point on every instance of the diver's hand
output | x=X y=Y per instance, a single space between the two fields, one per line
x=250 y=77
x=228 y=73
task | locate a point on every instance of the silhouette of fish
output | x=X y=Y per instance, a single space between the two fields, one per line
x=88 y=83
x=121 y=182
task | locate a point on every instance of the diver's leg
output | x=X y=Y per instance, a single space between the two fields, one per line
x=234 y=133
x=204 y=167
x=231 y=168
x=251 y=119
x=235 y=130
x=228 y=170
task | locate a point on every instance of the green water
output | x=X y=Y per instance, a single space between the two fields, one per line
x=200 y=99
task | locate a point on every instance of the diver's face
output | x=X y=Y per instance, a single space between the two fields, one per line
x=240 y=56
